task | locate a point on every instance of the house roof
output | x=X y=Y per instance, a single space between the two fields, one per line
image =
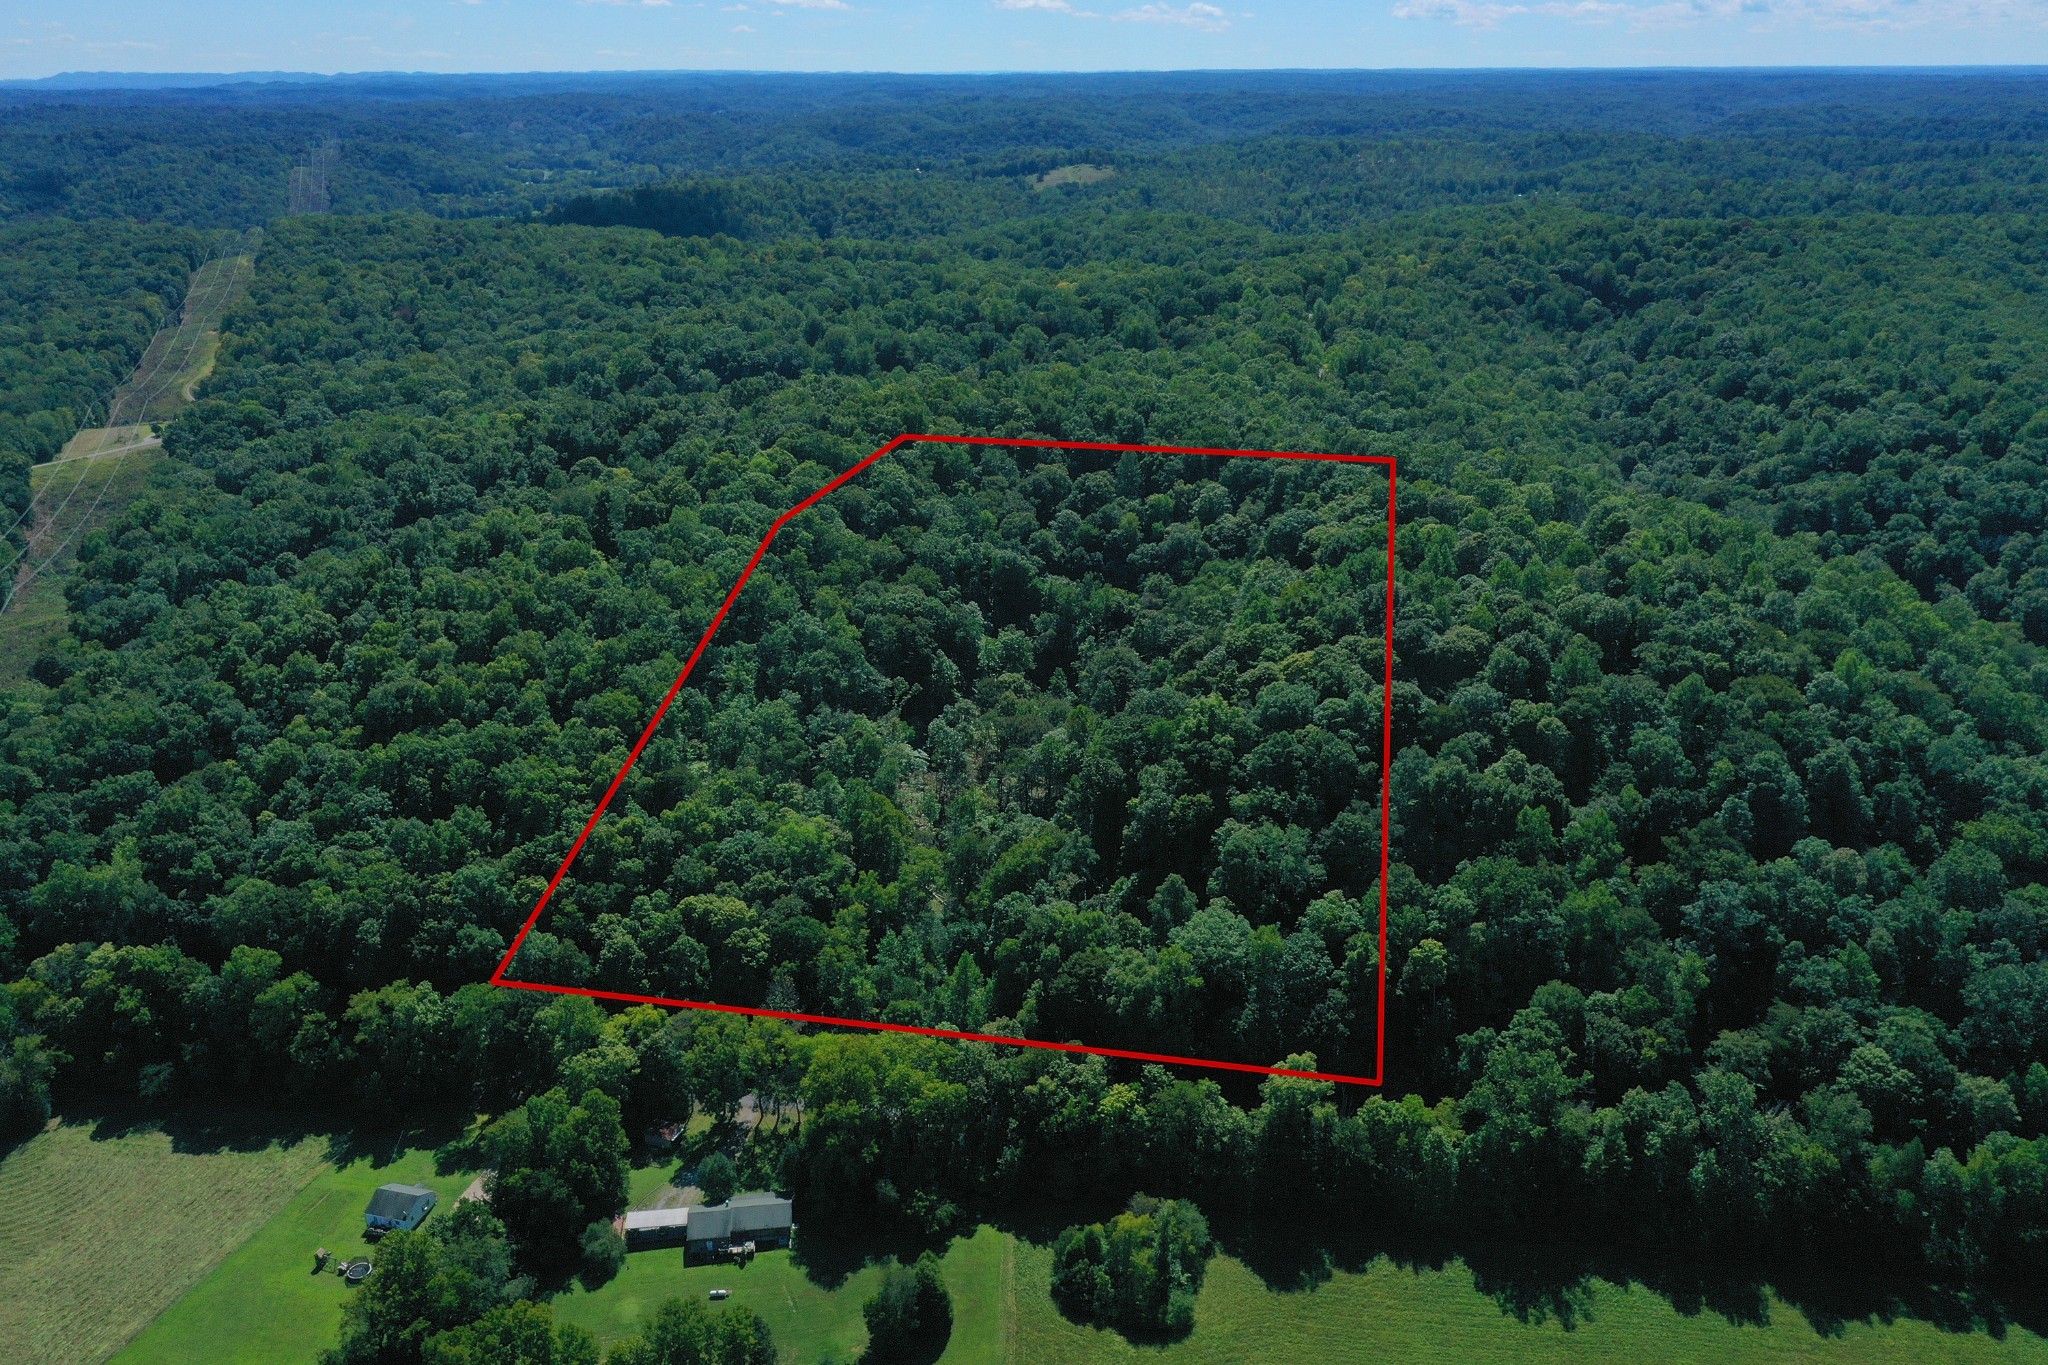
x=396 y=1201
x=743 y=1214
x=640 y=1220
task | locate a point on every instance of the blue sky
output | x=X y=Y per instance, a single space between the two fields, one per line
x=38 y=38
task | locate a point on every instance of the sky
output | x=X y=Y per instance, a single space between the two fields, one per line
x=40 y=38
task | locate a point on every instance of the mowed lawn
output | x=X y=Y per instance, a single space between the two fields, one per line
x=103 y=1226
x=263 y=1303
x=1389 y=1313
x=810 y=1323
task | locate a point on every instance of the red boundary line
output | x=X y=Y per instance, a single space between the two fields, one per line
x=498 y=977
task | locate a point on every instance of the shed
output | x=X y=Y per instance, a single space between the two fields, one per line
x=398 y=1208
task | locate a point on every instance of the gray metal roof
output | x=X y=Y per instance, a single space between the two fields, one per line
x=396 y=1201
x=639 y=1220
x=743 y=1214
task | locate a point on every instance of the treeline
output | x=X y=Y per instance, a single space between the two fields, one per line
x=1719 y=845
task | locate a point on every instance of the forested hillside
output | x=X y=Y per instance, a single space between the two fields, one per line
x=1719 y=848
x=78 y=302
x=907 y=155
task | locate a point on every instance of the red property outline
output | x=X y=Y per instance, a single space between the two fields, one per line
x=498 y=978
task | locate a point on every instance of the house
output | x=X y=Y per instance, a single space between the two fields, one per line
x=715 y=1230
x=647 y=1229
x=398 y=1208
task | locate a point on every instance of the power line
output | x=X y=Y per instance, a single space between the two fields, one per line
x=114 y=397
x=223 y=282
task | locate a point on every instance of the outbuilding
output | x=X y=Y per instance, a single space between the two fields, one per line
x=398 y=1208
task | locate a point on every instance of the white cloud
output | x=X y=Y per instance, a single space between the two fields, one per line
x=813 y=4
x=1048 y=7
x=1760 y=14
x=1206 y=17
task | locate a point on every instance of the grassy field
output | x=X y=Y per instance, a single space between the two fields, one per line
x=263 y=1302
x=102 y=1227
x=1397 y=1314
x=95 y=441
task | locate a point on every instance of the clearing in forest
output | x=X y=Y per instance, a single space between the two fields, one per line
x=1080 y=173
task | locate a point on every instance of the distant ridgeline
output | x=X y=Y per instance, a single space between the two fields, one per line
x=1292 y=151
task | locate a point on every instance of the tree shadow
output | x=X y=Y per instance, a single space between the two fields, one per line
x=1534 y=1285
x=1561 y=1282
x=1832 y=1301
x=923 y=1352
x=1041 y=1223
x=1287 y=1262
x=218 y=1129
x=834 y=1245
x=830 y=1252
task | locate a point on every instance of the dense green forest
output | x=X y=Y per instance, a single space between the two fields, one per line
x=1717 y=908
